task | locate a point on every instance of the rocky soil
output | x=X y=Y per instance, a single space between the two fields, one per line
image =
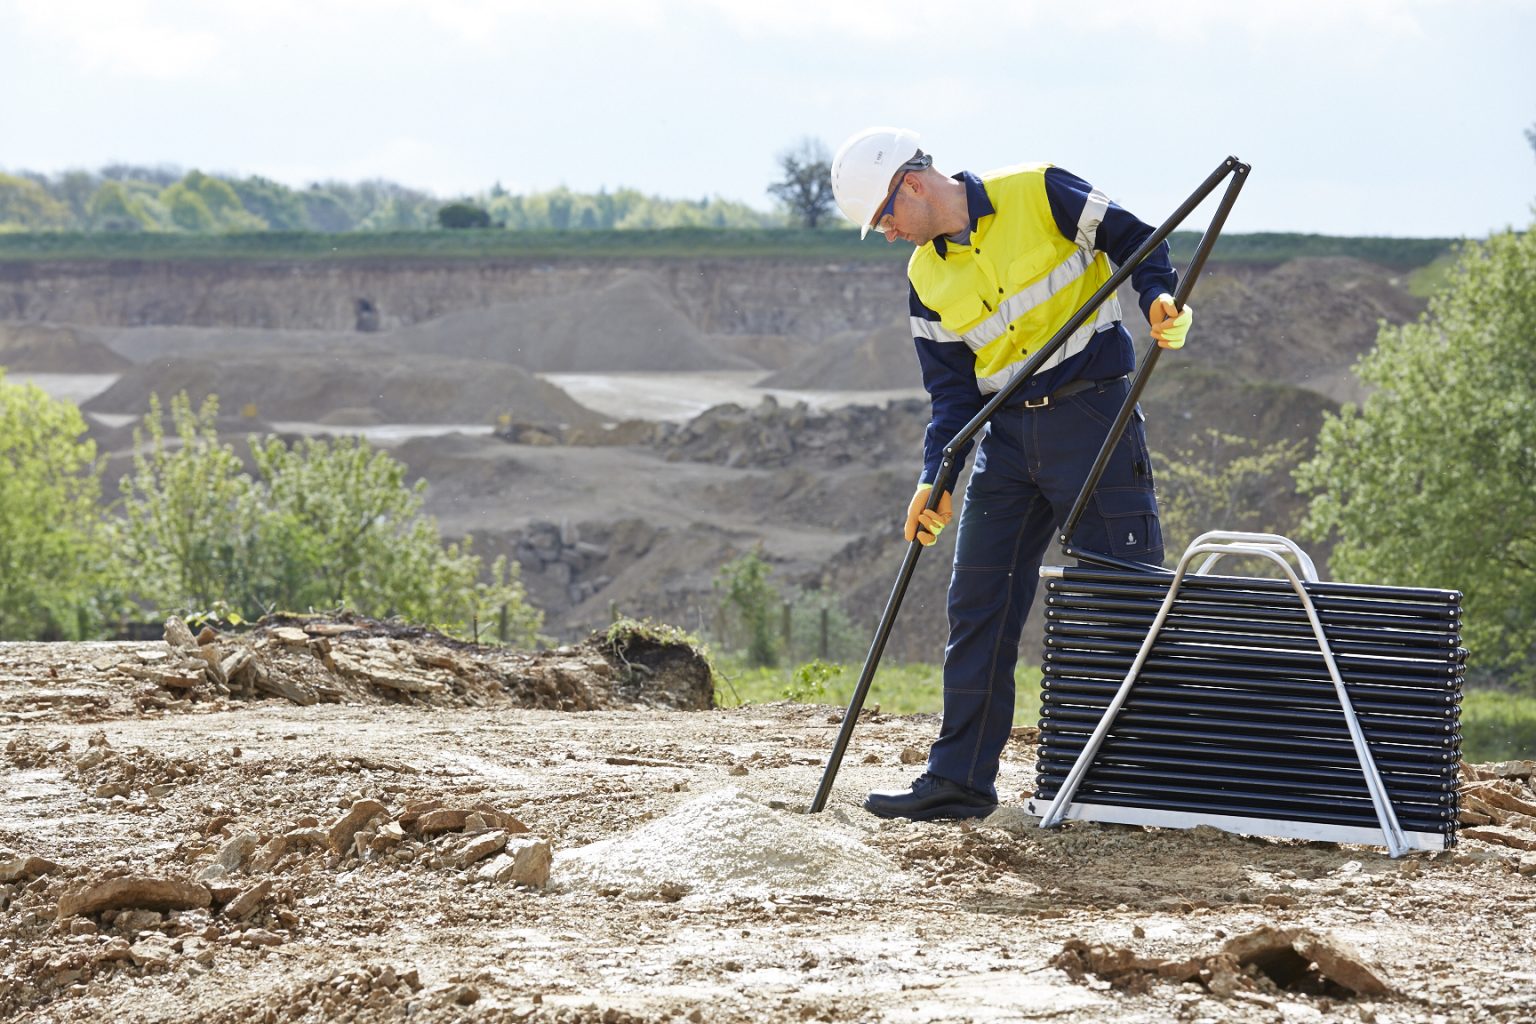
x=353 y=821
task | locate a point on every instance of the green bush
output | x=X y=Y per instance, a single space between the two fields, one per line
x=52 y=574
x=322 y=524
x=1433 y=482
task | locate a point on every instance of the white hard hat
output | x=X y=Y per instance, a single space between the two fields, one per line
x=863 y=168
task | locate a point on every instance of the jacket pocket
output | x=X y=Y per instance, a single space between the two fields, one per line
x=1031 y=266
x=1130 y=522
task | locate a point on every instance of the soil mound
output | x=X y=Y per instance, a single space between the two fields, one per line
x=628 y=324
x=309 y=388
x=55 y=348
x=880 y=359
x=726 y=844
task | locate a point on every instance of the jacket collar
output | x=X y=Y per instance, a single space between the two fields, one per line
x=978 y=205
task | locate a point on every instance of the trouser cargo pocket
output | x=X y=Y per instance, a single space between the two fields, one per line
x=1127 y=526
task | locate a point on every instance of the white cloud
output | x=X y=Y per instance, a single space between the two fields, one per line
x=125 y=37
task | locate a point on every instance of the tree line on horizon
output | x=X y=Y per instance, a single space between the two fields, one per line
x=124 y=198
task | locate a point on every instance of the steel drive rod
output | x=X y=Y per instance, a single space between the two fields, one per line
x=1148 y=364
x=1231 y=165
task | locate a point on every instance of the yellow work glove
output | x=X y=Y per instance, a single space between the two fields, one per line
x=926 y=524
x=1168 y=324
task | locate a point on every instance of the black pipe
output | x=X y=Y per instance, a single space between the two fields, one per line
x=1128 y=408
x=1147 y=694
x=1246 y=725
x=1235 y=637
x=1296 y=628
x=1140 y=779
x=1436 y=764
x=1194 y=669
x=1059 y=599
x=1060 y=764
x=1430 y=598
x=1343 y=749
x=1321 y=688
x=1193 y=598
x=1348 y=663
x=1202 y=805
x=1282 y=719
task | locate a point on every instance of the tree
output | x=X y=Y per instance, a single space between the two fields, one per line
x=26 y=206
x=187 y=209
x=747 y=595
x=1433 y=481
x=113 y=208
x=1224 y=482
x=806 y=188
x=50 y=543
x=458 y=216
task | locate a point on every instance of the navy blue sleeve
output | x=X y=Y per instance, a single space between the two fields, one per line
x=1088 y=217
x=949 y=374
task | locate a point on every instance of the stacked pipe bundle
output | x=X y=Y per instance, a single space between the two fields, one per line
x=1234 y=718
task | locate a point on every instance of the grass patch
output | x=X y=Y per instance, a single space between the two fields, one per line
x=1497 y=725
x=783 y=244
x=898 y=689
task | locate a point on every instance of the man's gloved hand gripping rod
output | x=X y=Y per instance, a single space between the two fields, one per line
x=1230 y=166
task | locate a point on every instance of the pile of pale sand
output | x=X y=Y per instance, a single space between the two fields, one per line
x=628 y=324
x=727 y=844
x=311 y=388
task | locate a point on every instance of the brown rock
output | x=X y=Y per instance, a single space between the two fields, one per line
x=267 y=857
x=178 y=635
x=22 y=868
x=245 y=904
x=525 y=861
x=476 y=848
x=444 y=819
x=1340 y=964
x=132 y=892
x=1502 y=835
x=340 y=836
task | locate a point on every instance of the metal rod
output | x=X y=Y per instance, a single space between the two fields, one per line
x=1135 y=778
x=964 y=437
x=1128 y=719
x=1236 y=636
x=1085 y=611
x=1268 y=696
x=1305 y=812
x=1066 y=665
x=1168 y=654
x=1149 y=363
x=1145 y=604
x=1058 y=763
x=1171 y=743
x=1195 y=585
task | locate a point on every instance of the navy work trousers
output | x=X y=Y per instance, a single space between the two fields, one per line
x=1030 y=466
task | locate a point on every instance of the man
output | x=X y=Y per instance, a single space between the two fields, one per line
x=1002 y=260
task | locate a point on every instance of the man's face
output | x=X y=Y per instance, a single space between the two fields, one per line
x=906 y=216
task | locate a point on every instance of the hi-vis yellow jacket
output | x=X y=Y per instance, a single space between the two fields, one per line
x=1039 y=238
x=1007 y=293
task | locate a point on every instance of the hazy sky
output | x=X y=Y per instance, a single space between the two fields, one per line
x=1380 y=117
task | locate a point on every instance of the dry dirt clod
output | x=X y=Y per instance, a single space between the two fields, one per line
x=245 y=904
x=135 y=892
x=341 y=834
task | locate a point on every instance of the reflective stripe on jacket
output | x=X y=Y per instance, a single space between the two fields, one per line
x=1008 y=291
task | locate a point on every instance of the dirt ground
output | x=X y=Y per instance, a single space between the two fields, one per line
x=423 y=830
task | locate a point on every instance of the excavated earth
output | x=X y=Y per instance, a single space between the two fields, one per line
x=322 y=820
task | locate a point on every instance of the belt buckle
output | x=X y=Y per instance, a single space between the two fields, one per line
x=1037 y=403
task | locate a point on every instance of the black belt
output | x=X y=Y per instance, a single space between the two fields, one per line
x=1070 y=388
